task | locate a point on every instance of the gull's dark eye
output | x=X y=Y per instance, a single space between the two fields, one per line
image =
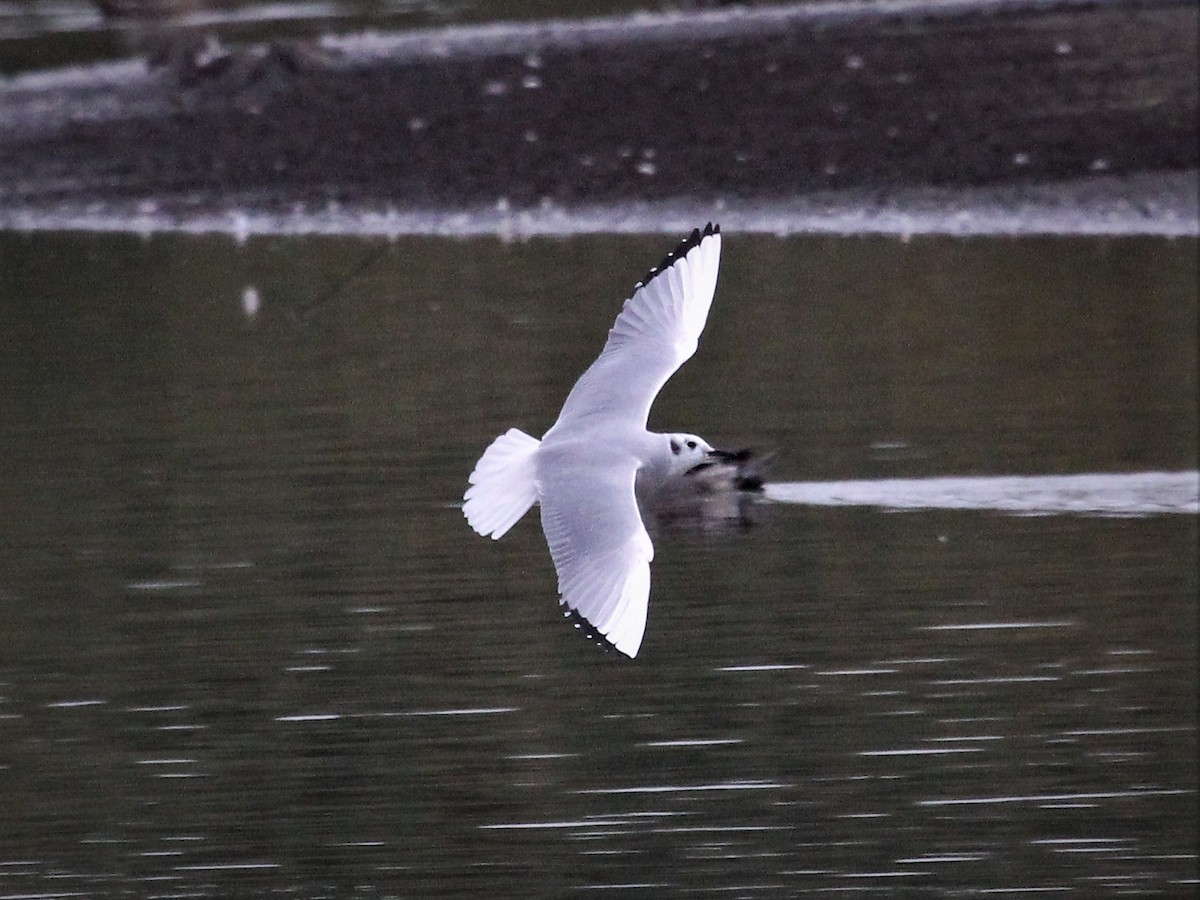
x=691 y=445
x=675 y=446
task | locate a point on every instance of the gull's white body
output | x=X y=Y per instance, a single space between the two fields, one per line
x=585 y=470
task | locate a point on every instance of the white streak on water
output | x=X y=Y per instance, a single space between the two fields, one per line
x=467 y=711
x=919 y=661
x=1093 y=494
x=625 y=886
x=1092 y=732
x=768 y=667
x=944 y=858
x=999 y=679
x=998 y=626
x=163 y=584
x=538 y=756
x=718 y=829
x=922 y=751
x=309 y=717
x=897 y=874
x=73 y=704
x=474 y=711
x=569 y=823
x=690 y=788
x=970 y=737
x=1050 y=798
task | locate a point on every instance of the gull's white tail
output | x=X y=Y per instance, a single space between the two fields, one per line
x=502 y=484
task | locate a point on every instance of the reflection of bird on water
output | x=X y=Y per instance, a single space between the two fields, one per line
x=596 y=469
x=722 y=490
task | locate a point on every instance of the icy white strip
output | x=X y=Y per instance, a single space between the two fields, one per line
x=1101 y=494
x=1164 y=203
x=517 y=37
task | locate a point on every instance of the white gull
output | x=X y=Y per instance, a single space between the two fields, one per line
x=587 y=470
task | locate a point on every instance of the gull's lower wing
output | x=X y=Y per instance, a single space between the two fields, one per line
x=656 y=332
x=600 y=548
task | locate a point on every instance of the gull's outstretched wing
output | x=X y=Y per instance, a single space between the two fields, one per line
x=656 y=332
x=600 y=548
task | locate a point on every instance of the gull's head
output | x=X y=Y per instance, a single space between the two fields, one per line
x=687 y=452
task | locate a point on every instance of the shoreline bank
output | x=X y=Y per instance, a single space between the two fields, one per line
x=899 y=117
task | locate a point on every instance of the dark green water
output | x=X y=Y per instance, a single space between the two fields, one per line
x=249 y=647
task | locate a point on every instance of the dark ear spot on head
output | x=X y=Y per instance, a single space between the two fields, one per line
x=675 y=446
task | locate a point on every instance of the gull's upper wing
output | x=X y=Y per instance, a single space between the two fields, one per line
x=600 y=547
x=656 y=332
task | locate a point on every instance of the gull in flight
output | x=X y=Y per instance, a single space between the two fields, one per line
x=588 y=470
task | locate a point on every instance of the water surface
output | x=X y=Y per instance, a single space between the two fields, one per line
x=249 y=647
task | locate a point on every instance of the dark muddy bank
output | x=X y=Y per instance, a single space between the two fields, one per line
x=735 y=106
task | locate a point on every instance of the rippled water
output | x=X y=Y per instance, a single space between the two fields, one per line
x=248 y=646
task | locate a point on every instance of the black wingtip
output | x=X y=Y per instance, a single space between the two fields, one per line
x=576 y=618
x=685 y=247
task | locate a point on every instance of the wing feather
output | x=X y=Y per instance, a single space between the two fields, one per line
x=656 y=332
x=600 y=548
